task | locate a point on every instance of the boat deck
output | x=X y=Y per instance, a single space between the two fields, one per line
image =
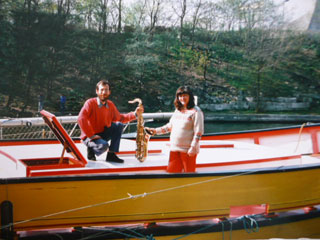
x=215 y=155
x=230 y=152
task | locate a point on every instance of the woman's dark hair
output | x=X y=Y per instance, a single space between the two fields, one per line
x=184 y=90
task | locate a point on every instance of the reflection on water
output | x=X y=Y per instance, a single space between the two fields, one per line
x=217 y=127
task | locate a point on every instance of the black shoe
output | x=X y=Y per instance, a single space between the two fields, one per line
x=91 y=155
x=112 y=157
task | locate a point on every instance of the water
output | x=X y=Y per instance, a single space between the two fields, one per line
x=218 y=127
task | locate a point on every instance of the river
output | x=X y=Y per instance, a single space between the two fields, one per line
x=218 y=127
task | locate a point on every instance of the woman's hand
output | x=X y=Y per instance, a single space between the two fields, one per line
x=151 y=131
x=192 y=151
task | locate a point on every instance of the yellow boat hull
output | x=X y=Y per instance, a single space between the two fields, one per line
x=49 y=202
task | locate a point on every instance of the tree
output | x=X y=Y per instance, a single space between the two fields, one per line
x=154 y=8
x=263 y=43
x=302 y=63
x=229 y=12
x=181 y=11
x=119 y=6
x=195 y=19
x=9 y=67
x=103 y=18
x=136 y=14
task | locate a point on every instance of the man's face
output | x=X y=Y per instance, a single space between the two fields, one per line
x=103 y=92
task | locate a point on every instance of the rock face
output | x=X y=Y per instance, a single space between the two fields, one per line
x=315 y=20
x=302 y=15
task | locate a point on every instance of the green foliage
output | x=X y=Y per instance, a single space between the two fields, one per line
x=48 y=49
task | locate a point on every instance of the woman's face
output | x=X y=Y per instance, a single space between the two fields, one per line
x=184 y=99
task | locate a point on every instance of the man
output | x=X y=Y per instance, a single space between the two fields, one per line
x=41 y=102
x=63 y=101
x=100 y=121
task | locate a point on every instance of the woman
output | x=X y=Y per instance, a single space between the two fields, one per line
x=186 y=128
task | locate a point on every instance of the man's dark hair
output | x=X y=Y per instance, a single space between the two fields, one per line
x=184 y=90
x=102 y=82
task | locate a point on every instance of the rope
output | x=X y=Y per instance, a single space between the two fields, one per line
x=131 y=196
x=199 y=230
x=111 y=231
x=222 y=230
x=192 y=184
x=92 y=236
x=231 y=227
x=249 y=224
x=207 y=227
x=299 y=138
x=150 y=237
x=105 y=232
x=135 y=232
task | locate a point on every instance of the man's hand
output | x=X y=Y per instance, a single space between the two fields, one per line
x=94 y=137
x=139 y=110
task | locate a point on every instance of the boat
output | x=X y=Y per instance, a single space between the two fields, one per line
x=49 y=184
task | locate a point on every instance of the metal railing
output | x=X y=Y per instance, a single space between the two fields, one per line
x=35 y=128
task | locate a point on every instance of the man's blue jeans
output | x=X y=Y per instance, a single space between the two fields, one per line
x=101 y=145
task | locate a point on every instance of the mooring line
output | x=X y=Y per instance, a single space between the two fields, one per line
x=299 y=136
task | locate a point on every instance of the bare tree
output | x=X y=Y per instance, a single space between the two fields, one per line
x=64 y=6
x=114 y=16
x=210 y=16
x=154 y=10
x=104 y=16
x=118 y=15
x=230 y=12
x=195 y=18
x=136 y=13
x=265 y=45
x=87 y=9
x=142 y=12
x=180 y=9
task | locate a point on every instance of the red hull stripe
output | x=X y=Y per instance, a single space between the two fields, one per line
x=217 y=146
x=153 y=168
x=8 y=156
